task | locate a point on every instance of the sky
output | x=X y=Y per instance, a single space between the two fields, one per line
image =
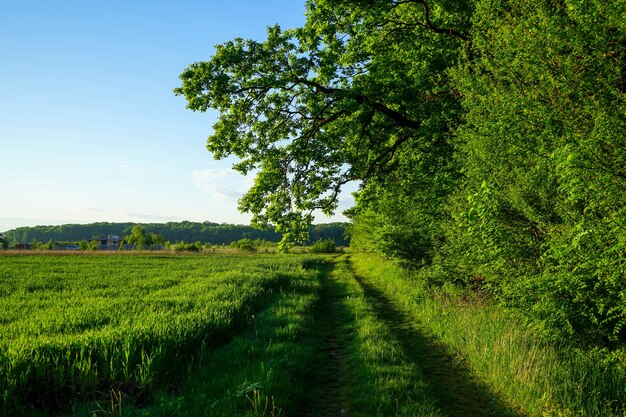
x=90 y=129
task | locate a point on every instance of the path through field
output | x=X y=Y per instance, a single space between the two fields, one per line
x=330 y=373
x=310 y=338
x=377 y=360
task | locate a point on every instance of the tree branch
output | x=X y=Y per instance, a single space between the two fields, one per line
x=386 y=156
x=397 y=117
x=429 y=24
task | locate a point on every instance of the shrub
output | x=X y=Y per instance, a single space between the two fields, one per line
x=246 y=245
x=184 y=247
x=324 y=246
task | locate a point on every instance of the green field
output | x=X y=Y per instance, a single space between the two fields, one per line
x=274 y=335
x=75 y=325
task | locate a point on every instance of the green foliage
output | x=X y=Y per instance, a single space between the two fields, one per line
x=544 y=156
x=323 y=246
x=91 y=245
x=184 y=247
x=137 y=237
x=526 y=197
x=206 y=232
x=246 y=245
x=153 y=240
x=489 y=138
x=140 y=239
x=334 y=101
x=35 y=244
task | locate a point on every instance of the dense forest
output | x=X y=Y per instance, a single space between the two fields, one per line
x=488 y=136
x=206 y=232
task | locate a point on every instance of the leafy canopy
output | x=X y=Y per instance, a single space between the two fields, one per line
x=313 y=108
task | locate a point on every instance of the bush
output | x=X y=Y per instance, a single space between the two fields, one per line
x=246 y=245
x=184 y=247
x=324 y=246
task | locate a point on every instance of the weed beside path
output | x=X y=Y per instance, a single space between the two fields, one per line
x=499 y=350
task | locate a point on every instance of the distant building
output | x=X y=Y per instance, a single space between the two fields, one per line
x=110 y=242
x=23 y=246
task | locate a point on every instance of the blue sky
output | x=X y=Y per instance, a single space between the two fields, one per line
x=89 y=127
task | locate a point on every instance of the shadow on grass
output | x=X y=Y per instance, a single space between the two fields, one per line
x=453 y=387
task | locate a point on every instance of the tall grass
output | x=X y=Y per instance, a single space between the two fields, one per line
x=261 y=372
x=538 y=378
x=73 y=326
x=318 y=349
x=157 y=335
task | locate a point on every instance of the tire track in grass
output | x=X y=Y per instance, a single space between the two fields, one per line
x=328 y=373
x=360 y=368
x=452 y=386
x=380 y=380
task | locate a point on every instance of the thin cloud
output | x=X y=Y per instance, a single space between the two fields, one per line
x=119 y=214
x=150 y=217
x=223 y=184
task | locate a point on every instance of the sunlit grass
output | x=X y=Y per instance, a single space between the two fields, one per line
x=534 y=376
x=260 y=372
x=376 y=376
x=241 y=335
x=73 y=326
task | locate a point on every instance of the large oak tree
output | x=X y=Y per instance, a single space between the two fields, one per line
x=338 y=100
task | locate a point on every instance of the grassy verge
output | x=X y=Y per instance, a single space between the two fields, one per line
x=377 y=376
x=536 y=378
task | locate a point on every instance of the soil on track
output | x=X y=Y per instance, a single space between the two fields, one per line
x=330 y=376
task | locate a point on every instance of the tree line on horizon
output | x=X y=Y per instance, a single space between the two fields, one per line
x=186 y=231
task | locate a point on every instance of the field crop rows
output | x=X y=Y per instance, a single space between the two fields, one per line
x=72 y=326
